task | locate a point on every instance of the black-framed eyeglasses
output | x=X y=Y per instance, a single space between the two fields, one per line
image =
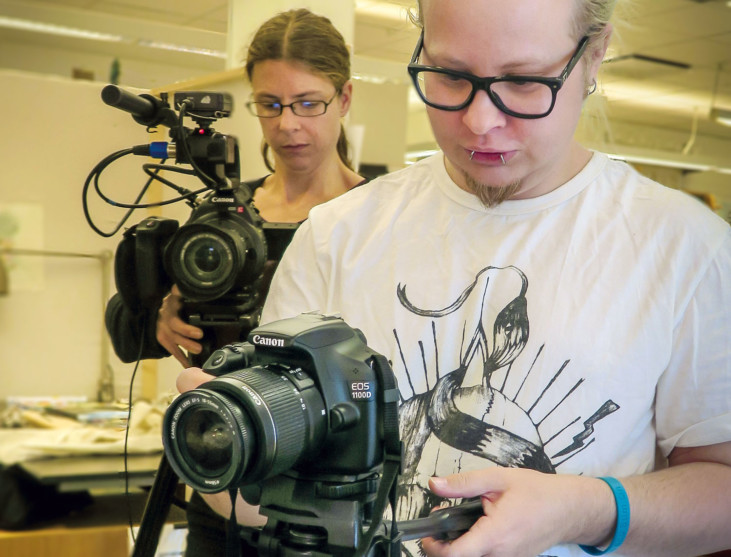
x=522 y=96
x=272 y=109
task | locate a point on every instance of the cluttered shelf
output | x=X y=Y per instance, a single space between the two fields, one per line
x=40 y=428
x=65 y=480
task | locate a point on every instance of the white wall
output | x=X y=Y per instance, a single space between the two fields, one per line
x=61 y=60
x=382 y=111
x=51 y=326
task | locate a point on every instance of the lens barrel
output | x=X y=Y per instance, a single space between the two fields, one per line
x=206 y=259
x=244 y=427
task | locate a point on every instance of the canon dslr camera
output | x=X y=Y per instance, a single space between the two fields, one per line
x=304 y=396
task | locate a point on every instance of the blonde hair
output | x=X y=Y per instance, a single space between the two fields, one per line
x=590 y=19
x=310 y=39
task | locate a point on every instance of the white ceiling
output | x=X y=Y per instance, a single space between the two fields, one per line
x=671 y=61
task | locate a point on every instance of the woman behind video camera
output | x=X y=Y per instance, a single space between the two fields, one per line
x=299 y=68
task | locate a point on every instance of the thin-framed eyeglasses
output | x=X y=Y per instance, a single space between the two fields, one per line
x=522 y=96
x=272 y=109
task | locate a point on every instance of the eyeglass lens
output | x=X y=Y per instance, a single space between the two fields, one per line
x=523 y=97
x=300 y=108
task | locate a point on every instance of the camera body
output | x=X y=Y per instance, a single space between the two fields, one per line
x=220 y=250
x=302 y=398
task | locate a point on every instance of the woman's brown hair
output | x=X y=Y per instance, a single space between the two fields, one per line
x=302 y=36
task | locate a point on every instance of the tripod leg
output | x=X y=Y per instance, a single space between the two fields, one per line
x=156 y=510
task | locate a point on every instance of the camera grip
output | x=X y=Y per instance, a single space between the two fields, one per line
x=442 y=524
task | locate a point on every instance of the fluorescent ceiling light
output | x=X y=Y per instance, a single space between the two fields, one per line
x=39 y=27
x=668 y=160
x=654 y=161
x=382 y=9
x=182 y=48
x=721 y=115
x=415 y=156
x=49 y=28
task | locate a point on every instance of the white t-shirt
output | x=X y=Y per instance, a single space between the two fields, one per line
x=569 y=333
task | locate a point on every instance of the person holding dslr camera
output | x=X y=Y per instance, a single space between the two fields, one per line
x=298 y=65
x=552 y=316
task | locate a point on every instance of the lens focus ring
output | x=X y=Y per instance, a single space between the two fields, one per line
x=242 y=427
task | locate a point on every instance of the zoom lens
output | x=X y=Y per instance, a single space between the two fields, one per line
x=207 y=258
x=244 y=427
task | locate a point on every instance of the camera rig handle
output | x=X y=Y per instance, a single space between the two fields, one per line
x=443 y=524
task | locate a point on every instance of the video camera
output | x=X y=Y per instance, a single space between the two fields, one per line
x=217 y=257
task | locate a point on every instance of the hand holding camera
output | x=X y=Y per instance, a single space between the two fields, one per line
x=173 y=333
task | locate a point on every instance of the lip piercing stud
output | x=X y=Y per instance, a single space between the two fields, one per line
x=502 y=158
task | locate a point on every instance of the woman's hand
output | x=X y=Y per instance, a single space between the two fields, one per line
x=174 y=334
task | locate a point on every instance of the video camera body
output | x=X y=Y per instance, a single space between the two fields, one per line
x=217 y=257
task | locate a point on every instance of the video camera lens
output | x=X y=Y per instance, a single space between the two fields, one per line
x=244 y=427
x=208 y=259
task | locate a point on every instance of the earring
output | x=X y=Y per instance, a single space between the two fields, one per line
x=592 y=88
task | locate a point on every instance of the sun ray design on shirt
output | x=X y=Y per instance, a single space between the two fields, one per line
x=450 y=424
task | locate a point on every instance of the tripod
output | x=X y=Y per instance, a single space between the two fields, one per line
x=156 y=510
x=311 y=516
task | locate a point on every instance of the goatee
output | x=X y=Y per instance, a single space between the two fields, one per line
x=492 y=195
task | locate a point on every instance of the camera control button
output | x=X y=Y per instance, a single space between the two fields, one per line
x=343 y=416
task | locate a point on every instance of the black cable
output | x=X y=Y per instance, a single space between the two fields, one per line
x=100 y=166
x=126 y=431
x=186 y=151
x=186 y=195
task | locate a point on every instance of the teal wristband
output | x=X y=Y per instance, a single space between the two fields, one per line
x=620 y=532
